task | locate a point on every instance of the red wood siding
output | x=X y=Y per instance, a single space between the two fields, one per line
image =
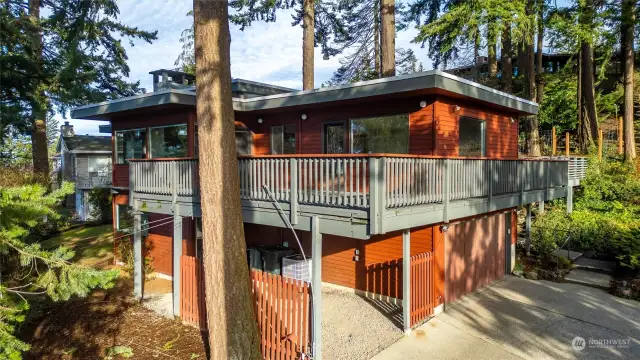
x=310 y=131
x=159 y=243
x=474 y=254
x=501 y=136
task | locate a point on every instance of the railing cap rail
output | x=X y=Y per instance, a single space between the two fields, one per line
x=376 y=155
x=163 y=159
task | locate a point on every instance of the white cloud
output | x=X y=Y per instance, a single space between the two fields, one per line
x=265 y=52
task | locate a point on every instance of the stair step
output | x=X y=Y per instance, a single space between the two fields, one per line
x=589 y=278
x=595 y=265
x=571 y=255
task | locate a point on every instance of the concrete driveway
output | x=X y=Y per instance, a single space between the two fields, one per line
x=524 y=319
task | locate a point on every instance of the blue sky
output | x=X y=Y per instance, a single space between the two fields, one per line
x=270 y=53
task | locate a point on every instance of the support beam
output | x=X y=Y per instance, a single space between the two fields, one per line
x=177 y=253
x=406 y=280
x=528 y=229
x=541 y=207
x=138 y=271
x=569 y=199
x=316 y=286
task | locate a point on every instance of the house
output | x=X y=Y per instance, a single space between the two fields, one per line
x=84 y=160
x=404 y=189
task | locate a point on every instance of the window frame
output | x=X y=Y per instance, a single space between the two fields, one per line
x=345 y=142
x=483 y=135
x=150 y=128
x=408 y=115
x=115 y=142
x=272 y=138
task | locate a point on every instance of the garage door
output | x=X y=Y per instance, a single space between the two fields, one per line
x=474 y=255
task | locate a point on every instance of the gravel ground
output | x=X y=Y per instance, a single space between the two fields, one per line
x=162 y=304
x=357 y=328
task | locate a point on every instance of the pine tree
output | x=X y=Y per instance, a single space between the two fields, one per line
x=233 y=331
x=80 y=60
x=628 y=22
x=34 y=270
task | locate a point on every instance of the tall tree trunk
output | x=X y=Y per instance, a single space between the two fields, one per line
x=308 y=30
x=589 y=121
x=533 y=134
x=628 y=22
x=475 y=71
x=388 y=38
x=540 y=45
x=505 y=60
x=376 y=37
x=493 y=63
x=233 y=333
x=579 y=92
x=39 y=148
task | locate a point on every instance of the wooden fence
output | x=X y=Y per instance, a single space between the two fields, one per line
x=282 y=307
x=192 y=305
x=385 y=278
x=422 y=288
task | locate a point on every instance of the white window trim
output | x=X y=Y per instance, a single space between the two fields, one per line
x=165 y=126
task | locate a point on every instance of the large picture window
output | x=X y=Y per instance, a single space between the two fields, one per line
x=168 y=141
x=381 y=134
x=472 y=141
x=283 y=139
x=130 y=144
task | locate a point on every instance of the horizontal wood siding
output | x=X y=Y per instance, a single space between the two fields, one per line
x=159 y=243
x=310 y=131
x=120 y=175
x=501 y=136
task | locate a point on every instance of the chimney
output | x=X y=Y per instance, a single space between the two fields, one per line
x=67 y=129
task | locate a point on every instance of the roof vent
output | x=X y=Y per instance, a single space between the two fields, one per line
x=67 y=129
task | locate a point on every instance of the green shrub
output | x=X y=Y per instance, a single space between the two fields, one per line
x=100 y=204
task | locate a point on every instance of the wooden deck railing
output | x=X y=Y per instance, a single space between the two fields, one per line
x=372 y=183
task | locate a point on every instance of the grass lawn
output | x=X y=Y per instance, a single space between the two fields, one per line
x=93 y=244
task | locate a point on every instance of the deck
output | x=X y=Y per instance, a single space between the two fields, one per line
x=360 y=195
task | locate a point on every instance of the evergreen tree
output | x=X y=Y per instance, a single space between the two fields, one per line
x=628 y=22
x=27 y=270
x=80 y=60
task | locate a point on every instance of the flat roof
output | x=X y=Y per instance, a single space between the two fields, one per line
x=434 y=79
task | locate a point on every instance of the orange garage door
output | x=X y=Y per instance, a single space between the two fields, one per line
x=474 y=254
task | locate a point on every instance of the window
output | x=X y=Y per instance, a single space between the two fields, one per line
x=472 y=137
x=283 y=139
x=124 y=218
x=243 y=142
x=334 y=138
x=383 y=134
x=99 y=165
x=130 y=144
x=168 y=141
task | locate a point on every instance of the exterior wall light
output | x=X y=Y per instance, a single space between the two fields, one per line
x=444 y=227
x=423 y=104
x=260 y=121
x=457 y=108
x=512 y=120
x=303 y=116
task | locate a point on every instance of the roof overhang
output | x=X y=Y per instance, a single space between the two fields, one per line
x=429 y=80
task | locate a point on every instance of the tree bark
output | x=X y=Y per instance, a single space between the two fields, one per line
x=39 y=148
x=308 y=30
x=539 y=48
x=589 y=121
x=475 y=71
x=376 y=37
x=505 y=60
x=233 y=332
x=533 y=134
x=493 y=63
x=628 y=22
x=388 y=38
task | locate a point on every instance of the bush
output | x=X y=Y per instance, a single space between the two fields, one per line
x=125 y=252
x=100 y=205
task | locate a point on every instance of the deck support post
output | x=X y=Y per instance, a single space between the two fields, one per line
x=528 y=229
x=177 y=253
x=490 y=186
x=406 y=280
x=316 y=287
x=541 y=207
x=446 y=190
x=570 y=198
x=138 y=276
x=293 y=209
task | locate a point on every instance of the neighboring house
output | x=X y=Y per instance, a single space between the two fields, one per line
x=84 y=160
x=374 y=176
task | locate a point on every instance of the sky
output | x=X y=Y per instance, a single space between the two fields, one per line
x=264 y=52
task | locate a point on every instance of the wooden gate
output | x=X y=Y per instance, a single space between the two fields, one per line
x=282 y=308
x=422 y=289
x=192 y=305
